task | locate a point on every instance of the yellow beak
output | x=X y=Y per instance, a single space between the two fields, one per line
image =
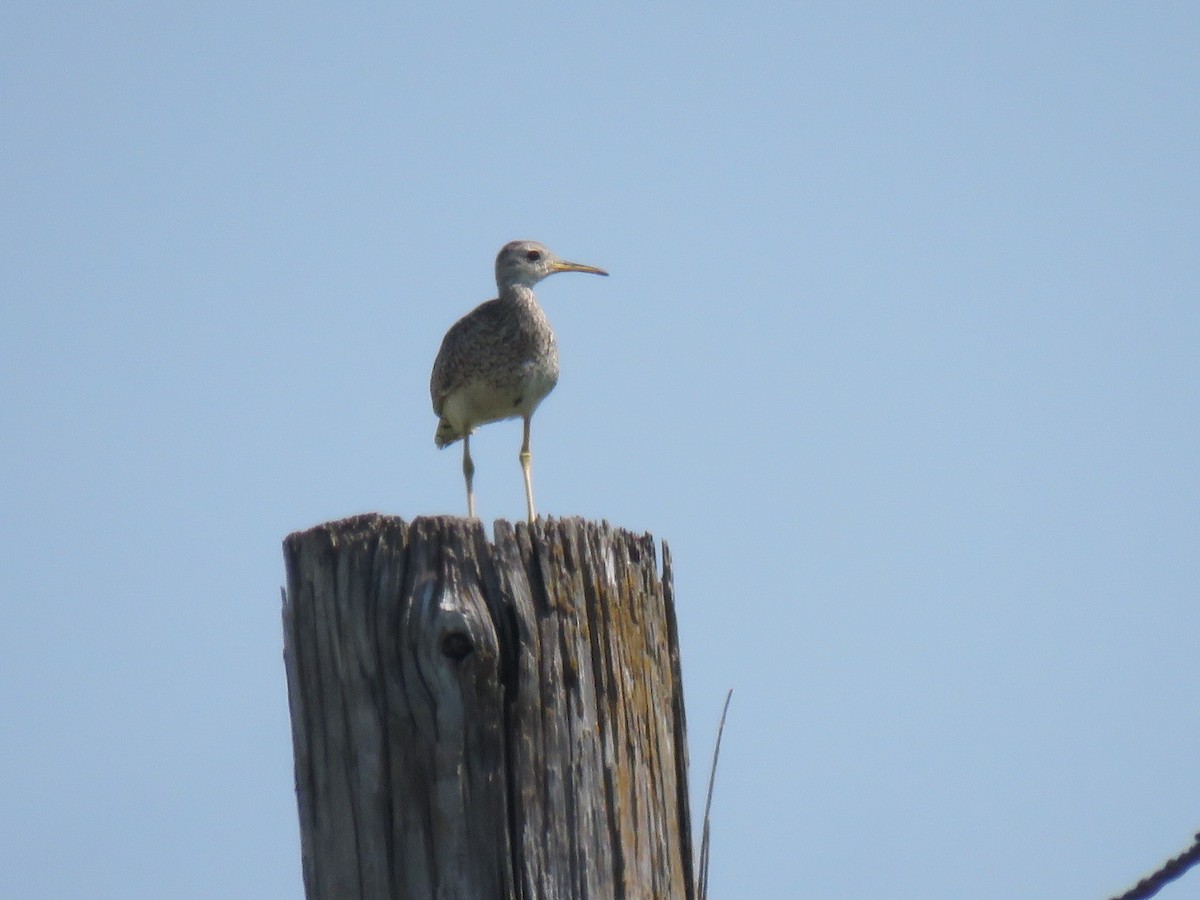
x=563 y=266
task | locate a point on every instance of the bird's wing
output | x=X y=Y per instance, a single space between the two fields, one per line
x=466 y=340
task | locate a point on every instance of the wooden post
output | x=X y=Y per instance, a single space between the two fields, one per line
x=485 y=720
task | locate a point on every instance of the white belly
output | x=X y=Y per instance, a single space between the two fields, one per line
x=479 y=402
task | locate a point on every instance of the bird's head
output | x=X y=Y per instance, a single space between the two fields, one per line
x=528 y=262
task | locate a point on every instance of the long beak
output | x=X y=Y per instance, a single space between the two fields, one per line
x=561 y=265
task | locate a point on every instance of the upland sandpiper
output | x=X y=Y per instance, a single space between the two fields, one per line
x=500 y=360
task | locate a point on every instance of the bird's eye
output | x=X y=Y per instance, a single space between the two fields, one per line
x=533 y=256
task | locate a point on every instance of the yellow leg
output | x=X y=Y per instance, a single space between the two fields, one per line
x=526 y=467
x=469 y=475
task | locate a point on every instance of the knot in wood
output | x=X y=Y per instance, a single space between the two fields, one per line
x=457 y=645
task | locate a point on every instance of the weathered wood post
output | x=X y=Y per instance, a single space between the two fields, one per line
x=485 y=720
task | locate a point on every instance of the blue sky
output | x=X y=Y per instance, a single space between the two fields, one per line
x=899 y=354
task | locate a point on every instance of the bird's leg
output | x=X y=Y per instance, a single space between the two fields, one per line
x=469 y=475
x=526 y=459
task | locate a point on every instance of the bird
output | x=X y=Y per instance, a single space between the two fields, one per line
x=500 y=360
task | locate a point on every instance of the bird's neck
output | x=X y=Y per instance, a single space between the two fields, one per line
x=519 y=294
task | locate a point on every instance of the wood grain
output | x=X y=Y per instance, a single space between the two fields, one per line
x=486 y=719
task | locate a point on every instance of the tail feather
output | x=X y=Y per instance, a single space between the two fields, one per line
x=447 y=434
